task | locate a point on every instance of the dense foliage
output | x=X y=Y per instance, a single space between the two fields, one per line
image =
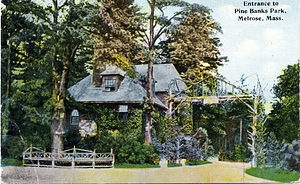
x=190 y=53
x=26 y=105
x=284 y=118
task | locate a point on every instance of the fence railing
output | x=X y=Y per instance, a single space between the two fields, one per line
x=73 y=157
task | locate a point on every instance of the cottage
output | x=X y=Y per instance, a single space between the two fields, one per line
x=113 y=88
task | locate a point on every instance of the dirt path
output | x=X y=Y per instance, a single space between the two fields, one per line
x=212 y=173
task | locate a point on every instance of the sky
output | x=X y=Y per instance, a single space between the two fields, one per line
x=259 y=49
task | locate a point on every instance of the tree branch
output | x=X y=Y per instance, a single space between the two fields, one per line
x=64 y=4
x=74 y=51
x=160 y=31
x=143 y=37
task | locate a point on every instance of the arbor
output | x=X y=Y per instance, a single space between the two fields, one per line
x=284 y=118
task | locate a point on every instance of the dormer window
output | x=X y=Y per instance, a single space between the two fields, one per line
x=110 y=85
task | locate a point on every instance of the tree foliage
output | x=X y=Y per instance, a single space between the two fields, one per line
x=25 y=113
x=284 y=118
x=193 y=47
x=115 y=32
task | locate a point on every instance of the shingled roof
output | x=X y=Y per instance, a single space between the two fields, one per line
x=128 y=92
x=165 y=76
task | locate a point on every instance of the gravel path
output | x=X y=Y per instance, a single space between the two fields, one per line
x=218 y=172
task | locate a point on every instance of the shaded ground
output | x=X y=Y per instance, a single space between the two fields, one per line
x=211 y=173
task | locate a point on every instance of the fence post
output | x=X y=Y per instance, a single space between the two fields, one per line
x=53 y=162
x=113 y=161
x=94 y=158
x=73 y=158
x=30 y=150
x=23 y=161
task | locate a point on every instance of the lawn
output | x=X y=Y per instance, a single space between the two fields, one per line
x=174 y=165
x=10 y=162
x=273 y=174
x=197 y=162
x=127 y=165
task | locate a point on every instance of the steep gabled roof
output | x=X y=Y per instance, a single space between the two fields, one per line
x=128 y=92
x=165 y=75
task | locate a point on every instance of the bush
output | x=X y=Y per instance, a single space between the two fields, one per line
x=72 y=138
x=291 y=156
x=134 y=152
x=180 y=147
x=152 y=155
x=13 y=147
x=238 y=154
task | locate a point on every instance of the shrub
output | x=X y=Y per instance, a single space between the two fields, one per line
x=181 y=146
x=291 y=156
x=13 y=147
x=239 y=153
x=152 y=155
x=134 y=152
x=72 y=138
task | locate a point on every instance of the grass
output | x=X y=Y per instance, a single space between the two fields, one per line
x=129 y=166
x=174 y=165
x=10 y=162
x=197 y=162
x=273 y=174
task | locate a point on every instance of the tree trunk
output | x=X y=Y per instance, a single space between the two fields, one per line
x=150 y=102
x=241 y=130
x=59 y=112
x=149 y=86
x=59 y=83
x=254 y=129
x=9 y=70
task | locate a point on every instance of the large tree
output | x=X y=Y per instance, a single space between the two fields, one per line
x=115 y=34
x=69 y=35
x=25 y=77
x=284 y=118
x=188 y=17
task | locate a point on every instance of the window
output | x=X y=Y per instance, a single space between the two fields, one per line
x=110 y=85
x=75 y=117
x=123 y=112
x=123 y=108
